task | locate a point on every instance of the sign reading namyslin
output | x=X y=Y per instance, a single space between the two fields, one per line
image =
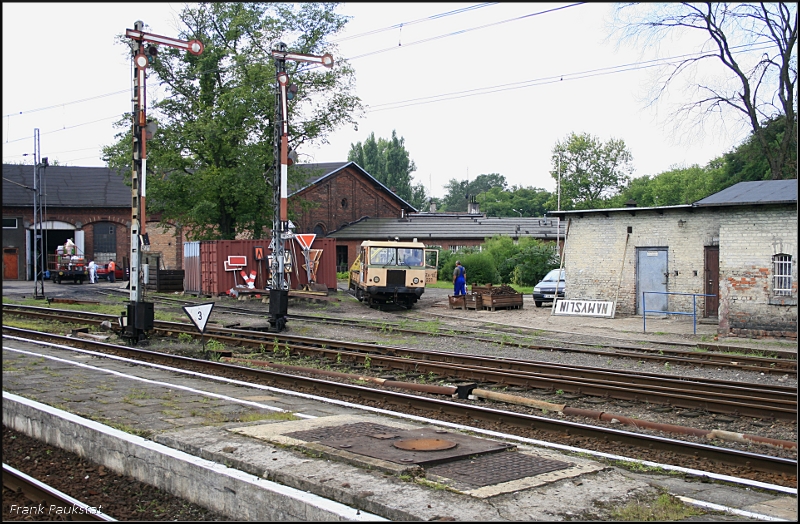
x=584 y=308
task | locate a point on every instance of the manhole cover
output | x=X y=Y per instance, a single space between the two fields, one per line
x=487 y=470
x=424 y=444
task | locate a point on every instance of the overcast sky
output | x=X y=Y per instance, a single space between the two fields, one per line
x=487 y=90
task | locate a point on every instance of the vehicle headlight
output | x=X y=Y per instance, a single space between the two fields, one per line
x=376 y=279
x=416 y=280
x=537 y=290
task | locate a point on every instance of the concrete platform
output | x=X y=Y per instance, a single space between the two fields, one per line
x=257 y=453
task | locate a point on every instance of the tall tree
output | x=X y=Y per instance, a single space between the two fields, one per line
x=590 y=170
x=754 y=42
x=388 y=161
x=208 y=162
x=460 y=192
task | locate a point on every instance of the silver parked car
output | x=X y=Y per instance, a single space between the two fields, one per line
x=551 y=287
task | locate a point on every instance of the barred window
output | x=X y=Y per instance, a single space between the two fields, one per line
x=782 y=275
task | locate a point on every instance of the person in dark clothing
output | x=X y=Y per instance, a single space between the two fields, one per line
x=459 y=279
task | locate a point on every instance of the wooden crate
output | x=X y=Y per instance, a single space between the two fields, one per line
x=482 y=289
x=494 y=302
x=458 y=302
x=474 y=301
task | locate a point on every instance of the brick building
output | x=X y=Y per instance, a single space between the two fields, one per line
x=90 y=205
x=453 y=231
x=738 y=245
x=335 y=194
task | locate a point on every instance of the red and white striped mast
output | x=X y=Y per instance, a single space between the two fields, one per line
x=139 y=317
x=279 y=291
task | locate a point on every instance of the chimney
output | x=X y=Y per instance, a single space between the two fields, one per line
x=473 y=206
x=433 y=206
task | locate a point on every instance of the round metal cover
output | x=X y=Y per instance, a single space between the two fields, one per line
x=424 y=444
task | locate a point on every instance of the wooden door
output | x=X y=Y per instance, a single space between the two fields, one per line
x=10 y=263
x=711 y=285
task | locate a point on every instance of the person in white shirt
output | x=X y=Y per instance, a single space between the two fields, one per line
x=92 y=272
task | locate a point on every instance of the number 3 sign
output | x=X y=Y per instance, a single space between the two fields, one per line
x=199 y=314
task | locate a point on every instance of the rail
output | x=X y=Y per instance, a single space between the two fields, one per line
x=694 y=296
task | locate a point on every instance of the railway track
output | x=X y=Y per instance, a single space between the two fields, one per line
x=49 y=501
x=714 y=396
x=776 y=469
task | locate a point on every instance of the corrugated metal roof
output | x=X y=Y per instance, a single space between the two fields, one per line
x=760 y=192
x=450 y=227
x=64 y=186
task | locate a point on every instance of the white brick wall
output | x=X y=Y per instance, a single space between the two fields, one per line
x=747 y=238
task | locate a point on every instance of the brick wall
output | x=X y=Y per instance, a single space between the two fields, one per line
x=166 y=241
x=339 y=200
x=747 y=238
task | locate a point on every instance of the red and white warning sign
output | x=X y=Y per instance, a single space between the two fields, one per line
x=305 y=240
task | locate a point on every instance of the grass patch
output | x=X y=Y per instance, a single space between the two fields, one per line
x=665 y=508
x=254 y=417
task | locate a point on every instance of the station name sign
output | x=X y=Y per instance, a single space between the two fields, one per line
x=584 y=308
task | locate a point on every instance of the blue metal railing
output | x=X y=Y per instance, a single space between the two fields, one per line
x=694 y=296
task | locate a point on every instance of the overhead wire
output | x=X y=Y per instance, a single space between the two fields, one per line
x=434 y=98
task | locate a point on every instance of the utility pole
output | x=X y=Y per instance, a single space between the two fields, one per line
x=279 y=289
x=140 y=314
x=39 y=264
x=558 y=219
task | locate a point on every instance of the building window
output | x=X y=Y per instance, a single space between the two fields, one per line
x=782 y=275
x=9 y=223
x=105 y=238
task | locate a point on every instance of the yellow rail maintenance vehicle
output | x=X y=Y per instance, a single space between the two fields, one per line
x=392 y=272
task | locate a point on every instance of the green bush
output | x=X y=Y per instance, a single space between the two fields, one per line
x=502 y=262
x=532 y=263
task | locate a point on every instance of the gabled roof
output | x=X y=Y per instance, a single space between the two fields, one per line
x=319 y=173
x=447 y=227
x=65 y=186
x=759 y=192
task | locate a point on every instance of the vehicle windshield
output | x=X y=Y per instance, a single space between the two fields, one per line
x=390 y=256
x=552 y=276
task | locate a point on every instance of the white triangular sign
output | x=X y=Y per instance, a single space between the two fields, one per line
x=199 y=314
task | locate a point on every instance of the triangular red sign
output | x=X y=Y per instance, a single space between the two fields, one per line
x=305 y=240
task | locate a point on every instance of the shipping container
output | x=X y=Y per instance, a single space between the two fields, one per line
x=191 y=267
x=208 y=269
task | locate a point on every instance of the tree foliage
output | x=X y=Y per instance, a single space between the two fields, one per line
x=755 y=45
x=686 y=185
x=458 y=193
x=211 y=164
x=590 y=171
x=389 y=162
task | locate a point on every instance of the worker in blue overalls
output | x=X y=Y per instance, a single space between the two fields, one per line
x=459 y=279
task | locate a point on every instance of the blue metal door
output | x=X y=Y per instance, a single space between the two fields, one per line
x=651 y=275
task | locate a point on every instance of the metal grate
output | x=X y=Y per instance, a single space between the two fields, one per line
x=782 y=275
x=346 y=431
x=496 y=468
x=396 y=277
